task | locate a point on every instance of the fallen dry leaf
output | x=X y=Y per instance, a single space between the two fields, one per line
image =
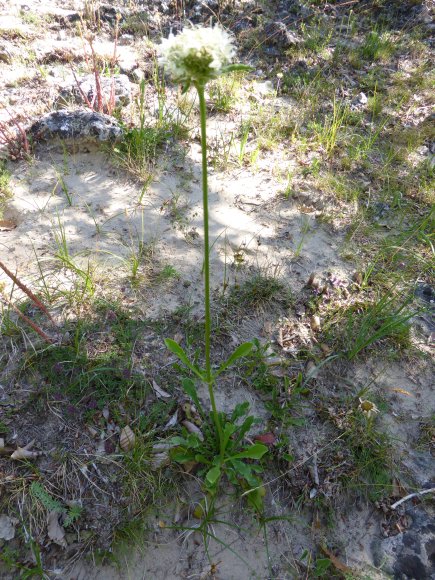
x=402 y=391
x=161 y=394
x=56 y=533
x=7 y=527
x=178 y=337
x=159 y=460
x=266 y=438
x=7 y=225
x=22 y=453
x=193 y=429
x=127 y=439
x=172 y=421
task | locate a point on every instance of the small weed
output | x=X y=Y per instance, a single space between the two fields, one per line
x=305 y=230
x=319 y=567
x=288 y=190
x=283 y=394
x=68 y=261
x=327 y=134
x=168 y=272
x=51 y=504
x=230 y=459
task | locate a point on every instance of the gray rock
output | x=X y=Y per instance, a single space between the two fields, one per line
x=7 y=527
x=138 y=75
x=277 y=34
x=125 y=39
x=78 y=125
x=120 y=84
x=411 y=554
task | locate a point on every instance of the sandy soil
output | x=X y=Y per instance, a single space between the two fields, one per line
x=252 y=227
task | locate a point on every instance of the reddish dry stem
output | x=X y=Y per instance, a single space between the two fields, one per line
x=28 y=321
x=26 y=290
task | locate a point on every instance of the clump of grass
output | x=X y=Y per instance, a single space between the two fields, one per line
x=5 y=189
x=138 y=150
x=386 y=317
x=258 y=291
x=371 y=453
x=376 y=46
x=224 y=91
x=327 y=133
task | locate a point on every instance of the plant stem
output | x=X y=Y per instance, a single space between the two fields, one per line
x=209 y=376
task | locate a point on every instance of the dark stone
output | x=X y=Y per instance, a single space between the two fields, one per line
x=77 y=125
x=411 y=567
x=277 y=34
x=425 y=292
x=411 y=541
x=430 y=551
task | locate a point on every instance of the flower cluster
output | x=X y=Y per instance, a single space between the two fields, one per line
x=197 y=54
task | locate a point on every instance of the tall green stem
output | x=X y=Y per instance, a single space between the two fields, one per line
x=208 y=372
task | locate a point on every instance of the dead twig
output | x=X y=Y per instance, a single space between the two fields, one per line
x=411 y=495
x=27 y=320
x=27 y=291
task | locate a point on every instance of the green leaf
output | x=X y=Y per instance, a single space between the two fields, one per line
x=255 y=451
x=322 y=564
x=245 y=471
x=245 y=426
x=202 y=459
x=228 y=431
x=193 y=441
x=176 y=349
x=182 y=457
x=190 y=389
x=236 y=67
x=239 y=411
x=241 y=351
x=213 y=475
x=176 y=441
x=255 y=498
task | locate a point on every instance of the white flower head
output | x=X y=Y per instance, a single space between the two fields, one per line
x=197 y=54
x=368 y=408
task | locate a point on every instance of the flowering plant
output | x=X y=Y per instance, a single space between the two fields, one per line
x=194 y=57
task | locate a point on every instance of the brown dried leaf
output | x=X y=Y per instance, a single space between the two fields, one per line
x=159 y=460
x=161 y=394
x=178 y=337
x=22 y=453
x=7 y=225
x=127 y=439
x=266 y=438
x=56 y=533
x=193 y=429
